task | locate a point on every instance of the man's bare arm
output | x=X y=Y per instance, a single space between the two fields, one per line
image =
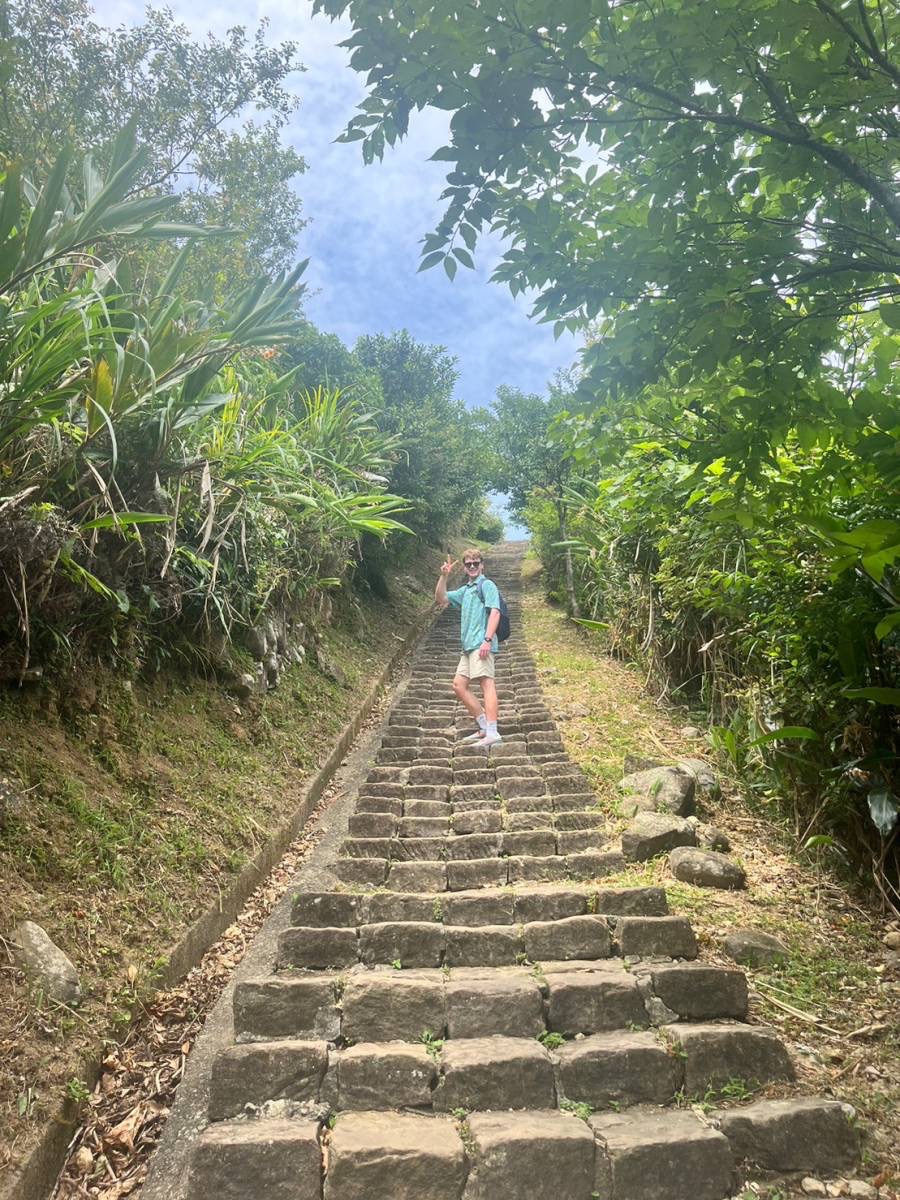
x=440 y=591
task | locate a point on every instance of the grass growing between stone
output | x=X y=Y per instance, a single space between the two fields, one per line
x=138 y=803
x=836 y=997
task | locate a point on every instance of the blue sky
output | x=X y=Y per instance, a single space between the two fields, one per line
x=366 y=222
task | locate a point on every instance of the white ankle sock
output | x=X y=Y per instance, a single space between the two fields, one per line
x=481 y=722
x=490 y=727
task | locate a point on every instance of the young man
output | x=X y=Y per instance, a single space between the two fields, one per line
x=478 y=628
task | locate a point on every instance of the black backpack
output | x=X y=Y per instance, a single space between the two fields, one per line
x=503 y=627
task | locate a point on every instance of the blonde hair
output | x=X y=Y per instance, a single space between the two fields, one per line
x=470 y=551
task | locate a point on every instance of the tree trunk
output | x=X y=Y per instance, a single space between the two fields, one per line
x=571 y=598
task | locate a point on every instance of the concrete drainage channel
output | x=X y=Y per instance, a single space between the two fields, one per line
x=36 y=1178
x=453 y=1005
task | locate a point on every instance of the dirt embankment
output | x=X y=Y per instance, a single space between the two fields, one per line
x=836 y=998
x=131 y=807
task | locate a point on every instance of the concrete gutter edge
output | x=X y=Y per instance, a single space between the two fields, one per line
x=37 y=1177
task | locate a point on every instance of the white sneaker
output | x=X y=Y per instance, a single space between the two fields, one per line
x=490 y=739
x=472 y=738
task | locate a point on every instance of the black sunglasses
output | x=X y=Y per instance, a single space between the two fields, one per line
x=475 y=562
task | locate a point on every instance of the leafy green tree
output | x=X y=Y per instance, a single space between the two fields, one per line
x=445 y=454
x=712 y=180
x=64 y=79
x=531 y=466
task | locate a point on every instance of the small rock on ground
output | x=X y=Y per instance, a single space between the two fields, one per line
x=706 y=868
x=45 y=964
x=753 y=948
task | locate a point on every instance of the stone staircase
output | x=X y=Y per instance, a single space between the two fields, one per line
x=471 y=1013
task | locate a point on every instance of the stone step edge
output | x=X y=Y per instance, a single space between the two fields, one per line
x=430 y=944
x=568 y=999
x=606 y=1153
x=495 y=1071
x=346 y=909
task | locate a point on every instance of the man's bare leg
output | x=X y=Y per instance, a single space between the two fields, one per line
x=465 y=697
x=489 y=692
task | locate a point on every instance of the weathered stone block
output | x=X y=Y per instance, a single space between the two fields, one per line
x=549 y=869
x=647 y=936
x=573 y=937
x=480 y=872
x=473 y=845
x=593 y=1002
x=495 y=1072
x=715 y=1054
x=261 y=1071
x=279 y=1159
x=367 y=847
x=360 y=872
x=383 y=1006
x=334 y=909
x=393 y=804
x=520 y=785
x=618 y=1068
x=659 y=789
x=792 y=1135
x=423 y=827
x=395 y=1156
x=538 y=1155
x=317 y=949
x=484 y=946
x=286 y=1007
x=400 y=906
x=490 y=1003
x=631 y=902
x=594 y=864
x=418 y=849
x=550 y=904
x=372 y=825
x=477 y=820
x=418 y=876
x=754 y=948
x=536 y=843
x=697 y=992
x=372 y=1075
x=485 y=908
x=412 y=943
x=426 y=808
x=660 y=1156
x=432 y=774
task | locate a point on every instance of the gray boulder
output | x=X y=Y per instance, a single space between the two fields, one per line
x=650 y=834
x=753 y=948
x=706 y=783
x=706 y=868
x=640 y=762
x=45 y=964
x=713 y=838
x=658 y=789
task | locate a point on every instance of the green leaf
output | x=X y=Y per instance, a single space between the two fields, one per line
x=464 y=257
x=114 y=520
x=786 y=732
x=878 y=695
x=884 y=627
x=450 y=267
x=890 y=314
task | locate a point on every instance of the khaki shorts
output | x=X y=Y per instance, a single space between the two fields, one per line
x=473 y=666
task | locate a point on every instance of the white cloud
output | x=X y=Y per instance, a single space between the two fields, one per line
x=366 y=222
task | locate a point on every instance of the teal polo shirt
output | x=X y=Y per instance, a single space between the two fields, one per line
x=474 y=615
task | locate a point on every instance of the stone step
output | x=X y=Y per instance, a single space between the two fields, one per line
x=487 y=1072
x=642 y=1154
x=573 y=999
x=475 y=906
x=434 y=875
x=433 y=944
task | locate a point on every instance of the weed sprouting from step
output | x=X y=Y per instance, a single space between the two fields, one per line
x=459 y=1114
x=437 y=910
x=432 y=1044
x=579 y=1109
x=552 y=1041
x=397 y=964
